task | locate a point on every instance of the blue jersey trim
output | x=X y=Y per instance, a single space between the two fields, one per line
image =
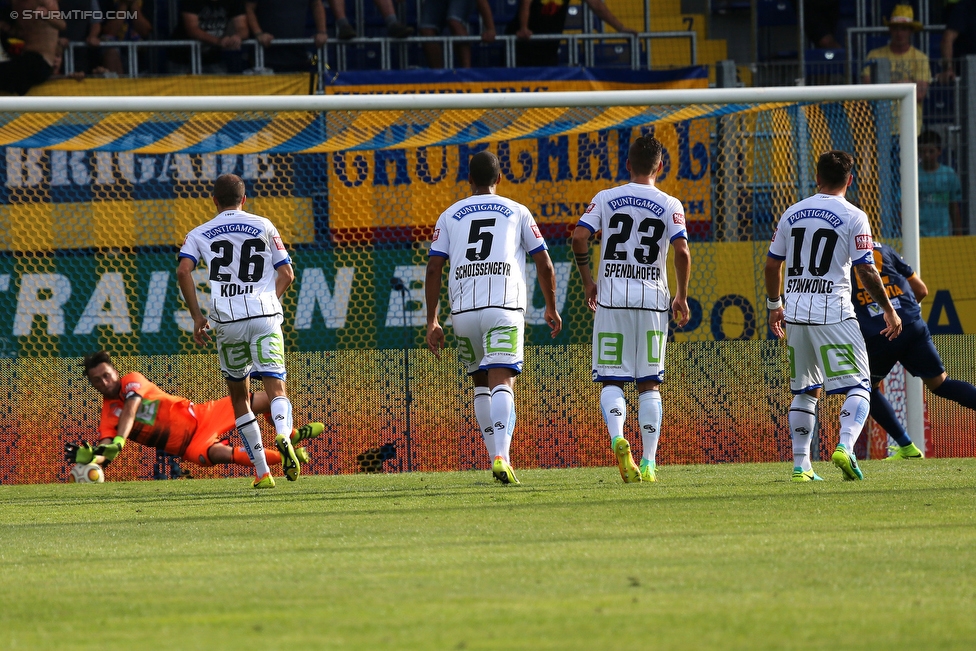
x=612 y=378
x=683 y=235
x=586 y=226
x=437 y=253
x=515 y=367
x=541 y=248
x=809 y=388
x=258 y=375
x=863 y=385
x=188 y=257
x=775 y=257
x=657 y=377
x=283 y=262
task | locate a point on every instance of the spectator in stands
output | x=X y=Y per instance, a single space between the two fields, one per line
x=220 y=25
x=959 y=38
x=908 y=63
x=128 y=22
x=549 y=17
x=939 y=191
x=78 y=28
x=394 y=28
x=820 y=18
x=271 y=19
x=37 y=26
x=454 y=15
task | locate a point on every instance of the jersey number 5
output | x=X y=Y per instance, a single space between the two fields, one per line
x=625 y=223
x=252 y=262
x=480 y=237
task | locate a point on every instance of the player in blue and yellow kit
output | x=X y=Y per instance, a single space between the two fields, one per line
x=913 y=347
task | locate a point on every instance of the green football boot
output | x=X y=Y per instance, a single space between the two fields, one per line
x=309 y=431
x=503 y=472
x=799 y=474
x=629 y=471
x=647 y=470
x=266 y=481
x=847 y=463
x=909 y=451
x=289 y=460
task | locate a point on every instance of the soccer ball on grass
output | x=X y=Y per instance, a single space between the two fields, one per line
x=86 y=473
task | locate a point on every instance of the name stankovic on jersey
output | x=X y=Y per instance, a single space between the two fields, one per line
x=483 y=207
x=810 y=286
x=482 y=269
x=225 y=229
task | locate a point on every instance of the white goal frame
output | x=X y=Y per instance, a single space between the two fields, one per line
x=904 y=94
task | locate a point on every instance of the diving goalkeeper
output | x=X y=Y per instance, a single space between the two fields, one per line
x=135 y=409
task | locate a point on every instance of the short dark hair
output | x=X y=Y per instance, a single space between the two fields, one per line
x=834 y=168
x=228 y=190
x=645 y=155
x=930 y=138
x=93 y=360
x=484 y=169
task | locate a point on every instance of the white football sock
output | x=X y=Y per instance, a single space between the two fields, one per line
x=247 y=427
x=482 y=413
x=614 y=409
x=502 y=419
x=853 y=413
x=281 y=416
x=649 y=418
x=803 y=420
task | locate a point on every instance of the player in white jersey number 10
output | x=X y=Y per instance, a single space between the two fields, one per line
x=249 y=269
x=820 y=238
x=631 y=297
x=486 y=237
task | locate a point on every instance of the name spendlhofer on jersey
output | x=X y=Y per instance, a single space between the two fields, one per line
x=639 y=222
x=820 y=238
x=241 y=251
x=486 y=238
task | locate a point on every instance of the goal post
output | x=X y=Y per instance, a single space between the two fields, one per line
x=99 y=192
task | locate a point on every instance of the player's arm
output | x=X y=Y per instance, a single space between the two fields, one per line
x=774 y=292
x=546 y=274
x=871 y=280
x=919 y=288
x=581 y=251
x=284 y=279
x=682 y=272
x=432 y=293
x=184 y=277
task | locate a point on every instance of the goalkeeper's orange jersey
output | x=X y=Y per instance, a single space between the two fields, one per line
x=163 y=421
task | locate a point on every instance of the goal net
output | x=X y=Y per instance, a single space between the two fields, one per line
x=99 y=193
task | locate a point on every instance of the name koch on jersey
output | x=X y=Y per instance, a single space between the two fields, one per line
x=486 y=238
x=241 y=251
x=638 y=222
x=820 y=238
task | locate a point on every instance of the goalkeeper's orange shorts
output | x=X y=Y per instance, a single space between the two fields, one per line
x=214 y=421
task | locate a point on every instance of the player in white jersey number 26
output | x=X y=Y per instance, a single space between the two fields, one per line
x=819 y=239
x=249 y=269
x=631 y=298
x=486 y=237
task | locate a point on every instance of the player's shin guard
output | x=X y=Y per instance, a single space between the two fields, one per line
x=281 y=416
x=649 y=418
x=247 y=427
x=884 y=415
x=502 y=419
x=957 y=391
x=853 y=413
x=803 y=422
x=614 y=409
x=482 y=413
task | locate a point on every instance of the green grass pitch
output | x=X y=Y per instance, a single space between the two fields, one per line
x=710 y=557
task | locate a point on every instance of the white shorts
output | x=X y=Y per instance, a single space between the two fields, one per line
x=254 y=347
x=490 y=338
x=629 y=345
x=829 y=356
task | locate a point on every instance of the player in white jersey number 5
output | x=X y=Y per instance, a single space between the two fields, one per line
x=820 y=238
x=631 y=297
x=487 y=237
x=249 y=269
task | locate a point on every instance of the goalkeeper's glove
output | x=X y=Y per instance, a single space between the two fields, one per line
x=110 y=450
x=78 y=453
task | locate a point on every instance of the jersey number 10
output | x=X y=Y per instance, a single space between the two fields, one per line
x=822 y=246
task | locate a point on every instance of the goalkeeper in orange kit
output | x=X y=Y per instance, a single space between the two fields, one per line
x=135 y=409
